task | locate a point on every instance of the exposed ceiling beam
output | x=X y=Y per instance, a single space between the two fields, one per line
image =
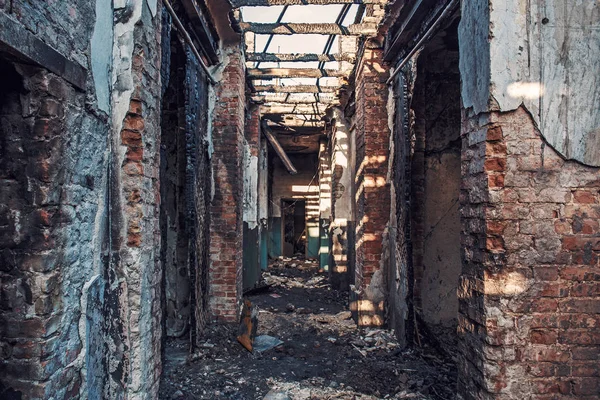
x=277 y=147
x=268 y=101
x=296 y=89
x=293 y=120
x=258 y=3
x=271 y=73
x=206 y=33
x=299 y=109
x=307 y=57
x=307 y=28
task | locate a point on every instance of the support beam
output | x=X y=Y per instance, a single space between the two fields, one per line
x=271 y=101
x=301 y=109
x=318 y=29
x=260 y=3
x=18 y=41
x=294 y=120
x=277 y=147
x=207 y=35
x=278 y=57
x=296 y=89
x=271 y=73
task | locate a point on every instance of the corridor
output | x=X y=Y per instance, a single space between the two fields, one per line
x=402 y=197
x=322 y=355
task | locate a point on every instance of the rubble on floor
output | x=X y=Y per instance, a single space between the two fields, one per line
x=323 y=354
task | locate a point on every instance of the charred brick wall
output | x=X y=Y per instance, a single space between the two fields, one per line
x=226 y=233
x=46 y=206
x=372 y=152
x=174 y=242
x=198 y=189
x=133 y=278
x=54 y=189
x=529 y=293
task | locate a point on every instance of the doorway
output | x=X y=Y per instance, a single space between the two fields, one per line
x=294 y=227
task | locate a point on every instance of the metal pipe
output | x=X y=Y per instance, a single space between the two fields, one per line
x=188 y=39
x=424 y=38
x=277 y=147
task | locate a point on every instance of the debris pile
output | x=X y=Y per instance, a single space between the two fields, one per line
x=307 y=347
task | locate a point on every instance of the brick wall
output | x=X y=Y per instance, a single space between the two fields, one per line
x=530 y=291
x=226 y=232
x=133 y=279
x=372 y=152
x=52 y=174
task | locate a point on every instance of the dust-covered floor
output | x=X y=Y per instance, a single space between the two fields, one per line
x=323 y=355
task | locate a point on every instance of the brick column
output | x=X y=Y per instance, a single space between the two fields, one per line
x=225 y=277
x=372 y=153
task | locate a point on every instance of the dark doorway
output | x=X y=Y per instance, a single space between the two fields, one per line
x=294 y=227
x=174 y=251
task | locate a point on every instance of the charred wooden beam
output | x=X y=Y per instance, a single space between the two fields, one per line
x=307 y=28
x=277 y=147
x=294 y=121
x=259 y=3
x=296 y=89
x=298 y=109
x=203 y=29
x=271 y=73
x=324 y=101
x=277 y=57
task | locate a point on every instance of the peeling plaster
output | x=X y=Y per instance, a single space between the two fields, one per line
x=474 y=60
x=101 y=53
x=544 y=55
x=122 y=77
x=152 y=6
x=391 y=114
x=250 y=188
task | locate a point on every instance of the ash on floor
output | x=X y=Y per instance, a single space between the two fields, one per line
x=323 y=355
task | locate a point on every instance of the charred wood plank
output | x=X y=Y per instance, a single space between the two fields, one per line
x=272 y=73
x=295 y=89
x=278 y=148
x=260 y=3
x=308 y=28
x=278 y=57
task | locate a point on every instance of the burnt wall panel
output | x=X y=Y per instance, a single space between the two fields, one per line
x=197 y=187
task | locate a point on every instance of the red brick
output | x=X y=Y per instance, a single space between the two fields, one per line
x=584 y=197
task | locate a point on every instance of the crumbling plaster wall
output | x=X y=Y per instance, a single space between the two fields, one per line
x=252 y=227
x=93 y=287
x=342 y=220
x=53 y=198
x=134 y=278
x=528 y=296
x=540 y=55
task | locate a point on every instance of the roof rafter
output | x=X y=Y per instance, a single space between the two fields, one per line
x=304 y=57
x=295 y=89
x=333 y=101
x=309 y=28
x=271 y=73
x=260 y=3
x=301 y=109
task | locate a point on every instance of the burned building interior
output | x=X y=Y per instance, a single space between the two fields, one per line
x=300 y=199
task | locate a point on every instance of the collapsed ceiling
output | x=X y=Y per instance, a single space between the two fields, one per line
x=300 y=54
